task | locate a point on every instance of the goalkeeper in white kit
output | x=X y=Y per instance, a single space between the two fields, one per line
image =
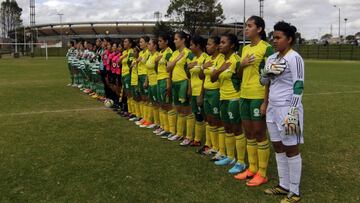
x=284 y=72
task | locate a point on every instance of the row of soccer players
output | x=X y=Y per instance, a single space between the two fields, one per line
x=205 y=89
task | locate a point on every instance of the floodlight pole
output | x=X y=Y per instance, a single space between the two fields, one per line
x=339 y=20
x=244 y=23
x=61 y=37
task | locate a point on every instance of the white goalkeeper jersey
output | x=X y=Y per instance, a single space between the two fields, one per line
x=284 y=88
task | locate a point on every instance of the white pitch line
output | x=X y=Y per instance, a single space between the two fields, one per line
x=53 y=111
x=330 y=93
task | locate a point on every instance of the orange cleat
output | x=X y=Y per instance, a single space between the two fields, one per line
x=257 y=180
x=244 y=175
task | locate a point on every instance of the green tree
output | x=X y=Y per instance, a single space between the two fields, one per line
x=163 y=28
x=10 y=17
x=196 y=15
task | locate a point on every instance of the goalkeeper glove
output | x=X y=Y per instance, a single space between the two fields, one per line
x=291 y=122
x=275 y=68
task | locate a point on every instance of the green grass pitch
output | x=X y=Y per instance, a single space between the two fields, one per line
x=59 y=145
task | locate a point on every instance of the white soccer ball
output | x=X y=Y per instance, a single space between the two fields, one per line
x=109 y=103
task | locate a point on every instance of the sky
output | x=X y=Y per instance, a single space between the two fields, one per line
x=313 y=18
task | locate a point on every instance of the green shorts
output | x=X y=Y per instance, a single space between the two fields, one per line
x=153 y=93
x=195 y=108
x=229 y=111
x=212 y=102
x=250 y=109
x=179 y=93
x=162 y=96
x=135 y=92
x=141 y=79
x=126 y=82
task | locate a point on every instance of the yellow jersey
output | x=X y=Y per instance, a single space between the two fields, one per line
x=134 y=74
x=150 y=67
x=196 y=82
x=250 y=85
x=229 y=81
x=161 y=70
x=144 y=54
x=216 y=64
x=179 y=71
x=126 y=62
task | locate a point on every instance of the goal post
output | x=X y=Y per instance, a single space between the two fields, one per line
x=14 y=48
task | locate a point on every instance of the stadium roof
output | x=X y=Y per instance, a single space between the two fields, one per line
x=115 y=29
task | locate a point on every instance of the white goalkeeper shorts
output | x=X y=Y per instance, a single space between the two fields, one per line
x=275 y=117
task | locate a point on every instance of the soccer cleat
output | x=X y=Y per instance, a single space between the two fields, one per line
x=140 y=122
x=157 y=130
x=74 y=85
x=244 y=175
x=145 y=124
x=195 y=144
x=69 y=85
x=257 y=180
x=225 y=162
x=174 y=138
x=166 y=135
x=291 y=198
x=237 y=168
x=151 y=126
x=185 y=142
x=203 y=149
x=133 y=119
x=276 y=190
x=79 y=86
x=217 y=156
x=95 y=96
x=162 y=133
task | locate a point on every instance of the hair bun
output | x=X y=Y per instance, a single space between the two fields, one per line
x=293 y=28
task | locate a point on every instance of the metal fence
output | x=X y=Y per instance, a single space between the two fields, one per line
x=338 y=52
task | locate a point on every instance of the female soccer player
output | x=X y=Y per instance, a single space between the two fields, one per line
x=70 y=56
x=126 y=60
x=253 y=104
x=284 y=114
x=167 y=113
x=177 y=65
x=135 y=90
x=197 y=47
x=215 y=134
x=151 y=82
x=229 y=95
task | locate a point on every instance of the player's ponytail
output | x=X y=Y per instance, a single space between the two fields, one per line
x=260 y=23
x=288 y=30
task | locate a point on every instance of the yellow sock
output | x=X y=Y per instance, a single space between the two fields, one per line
x=129 y=104
x=221 y=135
x=161 y=118
x=142 y=110
x=165 y=121
x=133 y=106
x=207 y=135
x=230 y=145
x=263 y=150
x=172 y=121
x=252 y=155
x=214 y=137
x=156 y=115
x=180 y=125
x=137 y=107
x=150 y=113
x=190 y=124
x=240 y=148
x=199 y=131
